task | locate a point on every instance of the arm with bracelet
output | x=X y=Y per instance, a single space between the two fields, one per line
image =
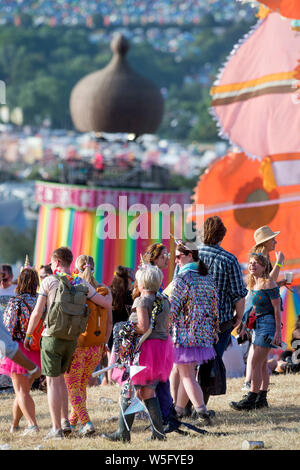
x=276 y=269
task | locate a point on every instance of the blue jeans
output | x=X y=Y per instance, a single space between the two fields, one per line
x=223 y=342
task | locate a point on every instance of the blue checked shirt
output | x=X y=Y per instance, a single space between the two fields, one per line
x=227 y=274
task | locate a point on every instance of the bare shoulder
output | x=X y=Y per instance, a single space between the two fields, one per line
x=270 y=284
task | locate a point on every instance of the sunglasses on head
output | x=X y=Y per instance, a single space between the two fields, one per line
x=260 y=255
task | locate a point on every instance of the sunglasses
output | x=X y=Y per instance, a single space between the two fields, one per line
x=179 y=256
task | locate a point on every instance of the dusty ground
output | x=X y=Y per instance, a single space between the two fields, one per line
x=278 y=426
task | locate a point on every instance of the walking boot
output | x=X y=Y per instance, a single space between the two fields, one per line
x=122 y=433
x=248 y=403
x=261 y=400
x=152 y=405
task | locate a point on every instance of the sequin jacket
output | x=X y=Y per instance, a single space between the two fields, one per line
x=194 y=310
x=16 y=315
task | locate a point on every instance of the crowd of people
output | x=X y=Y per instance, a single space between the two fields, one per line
x=120 y=12
x=65 y=324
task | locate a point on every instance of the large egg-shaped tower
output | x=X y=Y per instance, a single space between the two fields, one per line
x=117 y=99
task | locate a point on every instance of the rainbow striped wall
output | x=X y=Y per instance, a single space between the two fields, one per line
x=68 y=217
x=291 y=310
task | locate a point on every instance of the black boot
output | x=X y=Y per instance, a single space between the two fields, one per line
x=261 y=400
x=248 y=403
x=122 y=434
x=152 y=405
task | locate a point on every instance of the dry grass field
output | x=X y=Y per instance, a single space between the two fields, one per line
x=278 y=426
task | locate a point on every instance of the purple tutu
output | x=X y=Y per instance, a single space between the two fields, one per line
x=158 y=357
x=8 y=366
x=198 y=354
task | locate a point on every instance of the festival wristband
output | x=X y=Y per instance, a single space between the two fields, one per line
x=279 y=265
x=29 y=337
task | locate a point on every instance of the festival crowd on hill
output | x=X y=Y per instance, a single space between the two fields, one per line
x=121 y=12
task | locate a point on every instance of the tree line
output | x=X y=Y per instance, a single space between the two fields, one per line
x=41 y=65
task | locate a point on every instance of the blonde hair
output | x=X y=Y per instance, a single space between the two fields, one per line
x=263 y=261
x=86 y=266
x=149 y=277
x=261 y=249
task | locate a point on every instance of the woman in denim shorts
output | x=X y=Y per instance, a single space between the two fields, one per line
x=265 y=298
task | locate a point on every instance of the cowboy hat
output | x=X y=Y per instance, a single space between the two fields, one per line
x=263 y=234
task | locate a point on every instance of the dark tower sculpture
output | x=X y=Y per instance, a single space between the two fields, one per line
x=116 y=99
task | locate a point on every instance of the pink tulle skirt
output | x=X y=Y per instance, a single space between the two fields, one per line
x=8 y=366
x=117 y=372
x=158 y=357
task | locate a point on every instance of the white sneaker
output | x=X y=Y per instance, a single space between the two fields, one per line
x=52 y=434
x=14 y=429
x=30 y=430
x=246 y=387
x=86 y=430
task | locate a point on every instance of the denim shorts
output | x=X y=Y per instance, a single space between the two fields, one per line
x=265 y=325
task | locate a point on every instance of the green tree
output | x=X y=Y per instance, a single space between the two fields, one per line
x=40 y=66
x=14 y=246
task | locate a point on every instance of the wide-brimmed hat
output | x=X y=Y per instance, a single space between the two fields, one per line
x=263 y=234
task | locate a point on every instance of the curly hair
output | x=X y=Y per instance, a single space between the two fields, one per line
x=212 y=231
x=264 y=262
x=27 y=282
x=261 y=249
x=120 y=286
x=153 y=252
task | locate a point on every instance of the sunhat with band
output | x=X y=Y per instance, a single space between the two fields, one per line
x=263 y=234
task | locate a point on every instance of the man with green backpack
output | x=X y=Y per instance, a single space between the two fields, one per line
x=65 y=296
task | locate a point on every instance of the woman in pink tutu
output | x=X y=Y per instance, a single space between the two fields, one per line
x=15 y=318
x=150 y=316
x=194 y=326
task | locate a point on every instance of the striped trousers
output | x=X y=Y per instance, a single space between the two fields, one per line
x=83 y=364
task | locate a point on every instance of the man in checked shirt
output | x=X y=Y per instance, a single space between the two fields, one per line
x=225 y=269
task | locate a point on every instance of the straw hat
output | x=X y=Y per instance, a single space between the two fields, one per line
x=263 y=234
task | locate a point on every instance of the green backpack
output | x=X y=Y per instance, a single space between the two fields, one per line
x=68 y=315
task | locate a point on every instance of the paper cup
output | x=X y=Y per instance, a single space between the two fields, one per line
x=252 y=445
x=288 y=276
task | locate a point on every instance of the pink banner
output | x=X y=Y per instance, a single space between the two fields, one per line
x=83 y=198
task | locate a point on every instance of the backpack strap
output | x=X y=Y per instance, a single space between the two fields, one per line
x=30 y=309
